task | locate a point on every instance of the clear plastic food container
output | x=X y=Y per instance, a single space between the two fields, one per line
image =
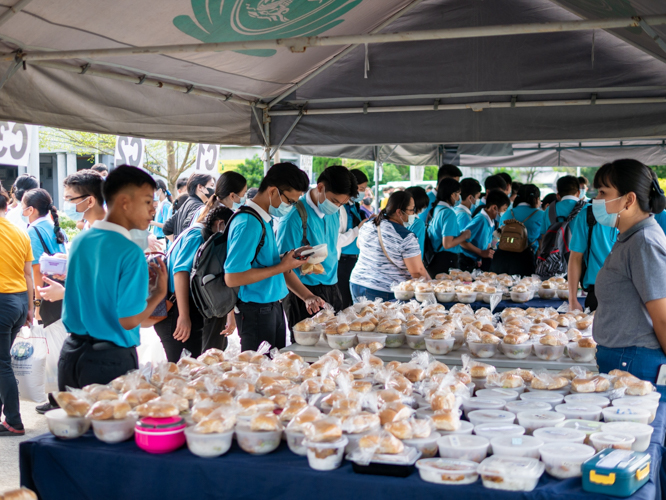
x=208 y=445
x=445 y=297
x=478 y=417
x=493 y=430
x=463 y=447
x=626 y=414
x=505 y=394
x=533 y=420
x=114 y=431
x=295 y=442
x=590 y=399
x=394 y=340
x=465 y=428
x=560 y=434
x=258 y=442
x=63 y=426
x=516 y=446
x=552 y=398
x=581 y=354
x=325 y=456
x=466 y=298
x=307 y=338
x=563 y=294
x=416 y=342
x=518 y=406
x=548 y=352
x=423 y=296
x=510 y=473
x=341 y=341
x=639 y=402
x=579 y=411
x=547 y=293
x=520 y=297
x=480 y=350
x=589 y=427
x=447 y=471
x=427 y=446
x=459 y=337
x=439 y=346
x=602 y=440
x=516 y=351
x=367 y=337
x=472 y=404
x=642 y=432
x=563 y=460
x=403 y=294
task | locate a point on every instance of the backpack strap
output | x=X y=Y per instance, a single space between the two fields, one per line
x=591 y=222
x=46 y=248
x=251 y=211
x=300 y=207
x=528 y=217
x=552 y=213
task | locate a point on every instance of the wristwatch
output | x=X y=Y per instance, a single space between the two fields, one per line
x=38 y=302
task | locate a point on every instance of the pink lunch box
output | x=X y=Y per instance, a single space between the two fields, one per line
x=160 y=435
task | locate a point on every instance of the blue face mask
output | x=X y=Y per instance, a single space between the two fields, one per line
x=601 y=213
x=69 y=209
x=583 y=192
x=25 y=219
x=359 y=198
x=140 y=238
x=281 y=211
x=457 y=203
x=239 y=204
x=327 y=207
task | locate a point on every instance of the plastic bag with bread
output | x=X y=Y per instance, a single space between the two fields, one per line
x=109 y=410
x=544 y=381
x=74 y=402
x=220 y=420
x=308 y=268
x=325 y=430
x=600 y=383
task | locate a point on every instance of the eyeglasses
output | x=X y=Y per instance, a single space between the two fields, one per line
x=77 y=197
x=407 y=210
x=289 y=202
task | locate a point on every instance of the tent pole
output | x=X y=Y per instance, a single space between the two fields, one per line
x=291 y=129
x=267 y=145
x=376 y=177
x=13 y=10
x=653 y=34
x=300 y=44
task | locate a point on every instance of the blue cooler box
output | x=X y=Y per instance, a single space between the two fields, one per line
x=618 y=473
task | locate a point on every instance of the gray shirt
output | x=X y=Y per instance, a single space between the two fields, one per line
x=634 y=273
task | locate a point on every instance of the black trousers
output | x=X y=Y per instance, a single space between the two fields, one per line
x=172 y=347
x=513 y=262
x=345 y=267
x=84 y=360
x=257 y=323
x=13 y=312
x=591 y=299
x=467 y=264
x=295 y=307
x=442 y=262
x=211 y=334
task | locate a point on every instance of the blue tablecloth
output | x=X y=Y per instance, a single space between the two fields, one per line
x=86 y=468
x=538 y=303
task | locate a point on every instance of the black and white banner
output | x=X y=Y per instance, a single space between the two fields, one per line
x=14 y=143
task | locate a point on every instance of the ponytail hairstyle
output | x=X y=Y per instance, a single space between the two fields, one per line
x=445 y=190
x=528 y=193
x=632 y=176
x=40 y=200
x=162 y=185
x=399 y=200
x=229 y=182
x=22 y=184
x=219 y=213
x=4 y=199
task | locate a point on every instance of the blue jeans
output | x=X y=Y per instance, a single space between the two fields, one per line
x=359 y=291
x=642 y=362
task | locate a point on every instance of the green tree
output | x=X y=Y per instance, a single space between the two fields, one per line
x=430 y=173
x=252 y=170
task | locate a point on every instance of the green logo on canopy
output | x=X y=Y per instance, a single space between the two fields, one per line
x=217 y=21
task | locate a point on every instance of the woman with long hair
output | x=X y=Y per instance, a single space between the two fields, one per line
x=164 y=203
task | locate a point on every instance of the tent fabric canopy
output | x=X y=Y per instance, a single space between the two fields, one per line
x=559 y=86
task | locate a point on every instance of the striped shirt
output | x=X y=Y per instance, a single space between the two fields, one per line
x=373 y=270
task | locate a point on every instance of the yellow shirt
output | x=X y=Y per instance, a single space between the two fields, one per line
x=382 y=204
x=15 y=251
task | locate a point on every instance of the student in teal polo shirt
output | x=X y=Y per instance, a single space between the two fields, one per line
x=470 y=193
x=421 y=202
x=320 y=205
x=163 y=198
x=352 y=219
x=477 y=246
x=443 y=231
x=264 y=281
x=661 y=220
x=107 y=294
x=568 y=196
x=445 y=171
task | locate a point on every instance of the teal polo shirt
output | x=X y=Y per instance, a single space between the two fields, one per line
x=243 y=240
x=444 y=223
x=162 y=215
x=183 y=251
x=464 y=216
x=533 y=224
x=419 y=230
x=432 y=196
x=482 y=234
x=660 y=218
x=45 y=228
x=352 y=248
x=562 y=208
x=107 y=279
x=603 y=239
x=320 y=230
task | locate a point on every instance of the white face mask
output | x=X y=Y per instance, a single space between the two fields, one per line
x=140 y=238
x=412 y=219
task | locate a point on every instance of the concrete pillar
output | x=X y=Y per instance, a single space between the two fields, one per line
x=59 y=174
x=33 y=158
x=71 y=164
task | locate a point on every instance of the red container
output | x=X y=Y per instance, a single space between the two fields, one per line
x=160 y=435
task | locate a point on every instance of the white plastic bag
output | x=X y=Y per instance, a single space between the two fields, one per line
x=55 y=335
x=150 y=350
x=28 y=355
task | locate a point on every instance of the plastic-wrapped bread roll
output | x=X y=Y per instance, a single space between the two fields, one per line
x=73 y=406
x=322 y=431
x=446 y=420
x=20 y=494
x=401 y=430
x=265 y=422
x=157 y=409
x=137 y=397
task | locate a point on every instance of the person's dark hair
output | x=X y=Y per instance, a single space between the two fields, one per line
x=515 y=187
x=181 y=183
x=339 y=180
x=251 y=193
x=40 y=200
x=448 y=170
x=445 y=190
x=360 y=175
x=99 y=167
x=86 y=183
x=507 y=178
x=218 y=213
x=469 y=186
x=582 y=181
x=179 y=202
x=529 y=194
x=420 y=196
x=196 y=180
x=229 y=182
x=498 y=198
x=162 y=185
x=121 y=177
x=285 y=176
x=397 y=201
x=632 y=176
x=548 y=199
x=4 y=199
x=23 y=183
x=568 y=186
x=494 y=182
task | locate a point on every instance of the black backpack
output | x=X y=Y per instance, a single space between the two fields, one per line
x=553 y=254
x=210 y=293
x=591 y=222
x=428 y=248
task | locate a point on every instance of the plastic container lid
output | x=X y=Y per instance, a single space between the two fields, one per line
x=521 y=467
x=567 y=451
x=492 y=430
x=152 y=424
x=478 y=417
x=612 y=440
x=633 y=428
x=631 y=414
x=518 y=406
x=590 y=399
x=465 y=428
x=636 y=402
x=505 y=394
x=559 y=434
x=483 y=404
x=583 y=411
x=553 y=398
x=586 y=426
x=448 y=465
x=519 y=443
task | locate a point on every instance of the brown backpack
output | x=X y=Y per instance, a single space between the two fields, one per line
x=513 y=237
